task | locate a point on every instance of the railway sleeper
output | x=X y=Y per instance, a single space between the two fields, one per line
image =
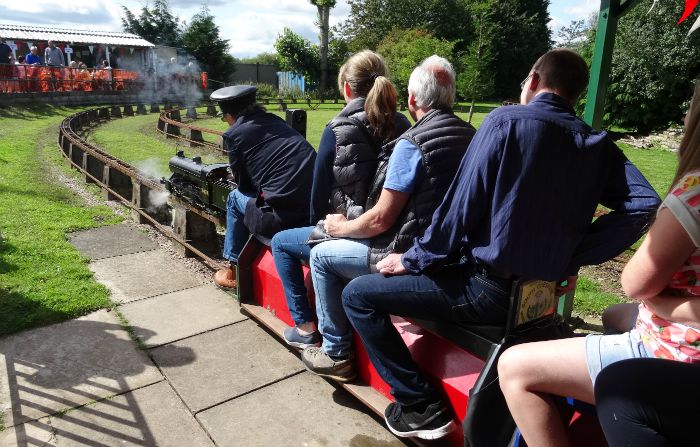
x=92 y=166
x=141 y=109
x=196 y=230
x=172 y=130
x=103 y=113
x=116 y=181
x=75 y=154
x=196 y=139
x=152 y=202
x=116 y=112
x=128 y=110
x=155 y=108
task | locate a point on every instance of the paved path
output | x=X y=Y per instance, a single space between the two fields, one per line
x=203 y=375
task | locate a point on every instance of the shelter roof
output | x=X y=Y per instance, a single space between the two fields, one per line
x=44 y=33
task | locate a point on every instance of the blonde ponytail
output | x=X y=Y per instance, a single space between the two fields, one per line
x=366 y=74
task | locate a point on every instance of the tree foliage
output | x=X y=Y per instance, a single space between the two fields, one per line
x=157 y=25
x=517 y=33
x=405 y=49
x=262 y=58
x=297 y=54
x=324 y=11
x=654 y=64
x=201 y=39
x=370 y=20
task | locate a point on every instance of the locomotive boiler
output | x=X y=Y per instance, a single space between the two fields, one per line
x=205 y=186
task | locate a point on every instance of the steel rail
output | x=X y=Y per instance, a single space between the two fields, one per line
x=113 y=162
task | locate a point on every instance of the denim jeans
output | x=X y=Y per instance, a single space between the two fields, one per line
x=454 y=293
x=236 y=232
x=333 y=263
x=289 y=248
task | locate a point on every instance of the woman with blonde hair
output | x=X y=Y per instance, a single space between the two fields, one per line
x=345 y=167
x=663 y=276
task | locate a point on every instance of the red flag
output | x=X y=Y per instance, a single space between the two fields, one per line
x=689 y=6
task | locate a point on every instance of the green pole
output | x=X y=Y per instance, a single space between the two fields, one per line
x=610 y=13
x=602 y=60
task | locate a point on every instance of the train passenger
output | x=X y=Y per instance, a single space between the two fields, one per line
x=662 y=275
x=409 y=185
x=637 y=407
x=273 y=166
x=521 y=204
x=345 y=166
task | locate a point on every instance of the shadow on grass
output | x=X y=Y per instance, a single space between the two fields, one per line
x=29 y=112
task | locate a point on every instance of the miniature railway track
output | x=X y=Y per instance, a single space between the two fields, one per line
x=169 y=124
x=123 y=182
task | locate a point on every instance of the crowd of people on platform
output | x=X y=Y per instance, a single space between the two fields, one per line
x=31 y=73
x=436 y=220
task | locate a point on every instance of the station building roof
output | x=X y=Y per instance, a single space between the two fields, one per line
x=44 y=33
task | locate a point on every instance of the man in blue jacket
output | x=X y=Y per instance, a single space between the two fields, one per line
x=521 y=205
x=273 y=166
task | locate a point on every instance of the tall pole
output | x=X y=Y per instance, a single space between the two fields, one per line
x=610 y=13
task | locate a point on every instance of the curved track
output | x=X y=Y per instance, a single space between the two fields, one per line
x=123 y=182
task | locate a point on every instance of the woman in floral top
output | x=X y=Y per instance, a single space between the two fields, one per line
x=662 y=275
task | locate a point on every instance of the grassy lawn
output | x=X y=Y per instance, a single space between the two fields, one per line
x=43 y=279
x=658 y=166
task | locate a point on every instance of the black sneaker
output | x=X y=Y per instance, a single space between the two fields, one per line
x=433 y=423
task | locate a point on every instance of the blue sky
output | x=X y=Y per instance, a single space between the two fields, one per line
x=250 y=26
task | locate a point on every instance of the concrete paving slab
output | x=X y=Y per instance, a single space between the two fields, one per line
x=50 y=369
x=112 y=240
x=142 y=275
x=181 y=314
x=301 y=410
x=35 y=433
x=148 y=416
x=229 y=362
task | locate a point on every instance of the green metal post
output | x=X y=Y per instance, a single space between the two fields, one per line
x=610 y=13
x=602 y=60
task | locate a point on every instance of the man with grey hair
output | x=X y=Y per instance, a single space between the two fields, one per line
x=53 y=56
x=413 y=174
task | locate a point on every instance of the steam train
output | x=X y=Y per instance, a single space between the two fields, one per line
x=204 y=186
x=461 y=360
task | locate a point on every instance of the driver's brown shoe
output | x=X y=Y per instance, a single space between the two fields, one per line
x=226 y=278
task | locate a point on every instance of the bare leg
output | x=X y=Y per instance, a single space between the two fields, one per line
x=530 y=373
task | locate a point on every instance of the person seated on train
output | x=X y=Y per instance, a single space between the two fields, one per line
x=661 y=275
x=521 y=205
x=345 y=166
x=637 y=407
x=406 y=190
x=273 y=167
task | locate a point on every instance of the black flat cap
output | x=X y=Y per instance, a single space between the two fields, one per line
x=235 y=98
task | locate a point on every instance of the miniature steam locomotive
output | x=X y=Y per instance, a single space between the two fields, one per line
x=205 y=186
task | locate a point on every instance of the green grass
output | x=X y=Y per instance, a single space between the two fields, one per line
x=658 y=166
x=43 y=279
x=135 y=141
x=590 y=300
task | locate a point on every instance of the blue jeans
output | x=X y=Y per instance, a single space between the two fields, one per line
x=289 y=248
x=453 y=293
x=236 y=232
x=333 y=263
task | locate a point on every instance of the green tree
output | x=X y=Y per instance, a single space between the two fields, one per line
x=370 y=20
x=296 y=54
x=654 y=64
x=157 y=25
x=201 y=39
x=324 y=10
x=523 y=36
x=262 y=58
x=405 y=49
x=476 y=80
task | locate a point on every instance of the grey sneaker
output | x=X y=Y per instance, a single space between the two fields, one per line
x=293 y=338
x=320 y=363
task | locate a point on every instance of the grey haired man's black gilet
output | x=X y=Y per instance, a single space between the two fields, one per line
x=442 y=138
